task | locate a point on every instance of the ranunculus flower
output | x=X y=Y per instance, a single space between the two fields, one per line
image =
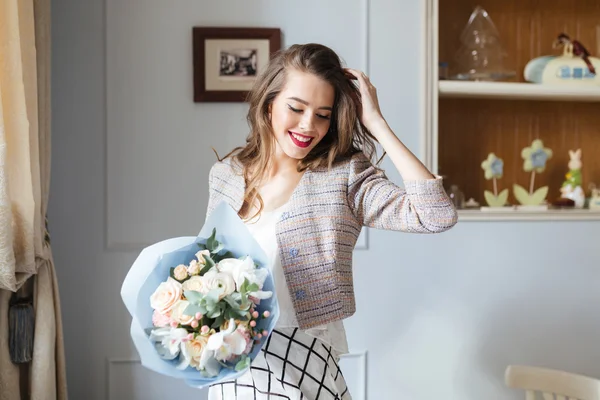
x=195 y=283
x=222 y=280
x=244 y=269
x=166 y=295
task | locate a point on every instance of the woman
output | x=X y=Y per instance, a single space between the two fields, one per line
x=304 y=184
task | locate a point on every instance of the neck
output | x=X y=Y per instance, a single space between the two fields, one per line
x=282 y=163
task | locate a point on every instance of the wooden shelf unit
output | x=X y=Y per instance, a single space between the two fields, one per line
x=472 y=119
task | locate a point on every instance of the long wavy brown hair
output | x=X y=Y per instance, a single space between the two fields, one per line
x=346 y=135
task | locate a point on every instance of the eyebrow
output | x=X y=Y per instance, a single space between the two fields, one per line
x=306 y=103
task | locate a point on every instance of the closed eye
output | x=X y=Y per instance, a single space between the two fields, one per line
x=294 y=109
x=298 y=111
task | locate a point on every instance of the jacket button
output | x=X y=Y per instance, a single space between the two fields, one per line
x=285 y=216
x=300 y=294
x=294 y=252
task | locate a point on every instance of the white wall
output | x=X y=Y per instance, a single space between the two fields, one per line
x=456 y=308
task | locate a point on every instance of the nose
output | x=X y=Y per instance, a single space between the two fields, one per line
x=306 y=123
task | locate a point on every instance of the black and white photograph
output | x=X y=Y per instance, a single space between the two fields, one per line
x=227 y=60
x=238 y=63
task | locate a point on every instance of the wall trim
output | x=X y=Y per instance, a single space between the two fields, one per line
x=429 y=89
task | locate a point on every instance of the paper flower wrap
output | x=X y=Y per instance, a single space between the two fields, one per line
x=172 y=342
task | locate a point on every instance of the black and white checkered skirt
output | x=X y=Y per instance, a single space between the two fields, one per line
x=292 y=365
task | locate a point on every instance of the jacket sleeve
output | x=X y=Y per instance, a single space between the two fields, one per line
x=421 y=207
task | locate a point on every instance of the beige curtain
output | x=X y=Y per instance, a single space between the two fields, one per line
x=26 y=265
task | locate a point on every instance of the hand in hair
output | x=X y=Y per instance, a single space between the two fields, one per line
x=370 y=113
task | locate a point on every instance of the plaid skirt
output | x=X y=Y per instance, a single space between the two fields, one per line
x=292 y=365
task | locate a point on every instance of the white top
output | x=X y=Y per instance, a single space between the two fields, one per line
x=262 y=228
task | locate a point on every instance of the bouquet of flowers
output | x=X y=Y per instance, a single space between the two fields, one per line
x=202 y=306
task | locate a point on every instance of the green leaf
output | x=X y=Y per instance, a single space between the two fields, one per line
x=232 y=302
x=213 y=295
x=243 y=363
x=211 y=242
x=192 y=309
x=252 y=287
x=223 y=256
x=218 y=247
x=244 y=287
x=215 y=313
x=209 y=264
x=521 y=195
x=193 y=296
x=218 y=322
x=539 y=195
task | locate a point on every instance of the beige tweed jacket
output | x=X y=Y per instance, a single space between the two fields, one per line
x=325 y=214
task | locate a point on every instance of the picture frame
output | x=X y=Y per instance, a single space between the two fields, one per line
x=226 y=60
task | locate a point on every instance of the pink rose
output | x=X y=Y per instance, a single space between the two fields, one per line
x=161 y=320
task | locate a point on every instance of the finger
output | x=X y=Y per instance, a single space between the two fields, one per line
x=360 y=76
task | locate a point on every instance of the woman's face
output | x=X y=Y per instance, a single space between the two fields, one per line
x=301 y=113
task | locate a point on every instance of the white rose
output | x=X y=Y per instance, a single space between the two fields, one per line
x=216 y=280
x=200 y=256
x=177 y=314
x=242 y=270
x=180 y=272
x=166 y=296
x=195 y=283
x=194 y=268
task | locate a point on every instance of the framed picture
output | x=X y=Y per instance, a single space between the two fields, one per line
x=227 y=60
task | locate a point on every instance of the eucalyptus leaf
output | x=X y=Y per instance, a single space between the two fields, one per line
x=192 y=309
x=229 y=300
x=213 y=295
x=193 y=296
x=218 y=322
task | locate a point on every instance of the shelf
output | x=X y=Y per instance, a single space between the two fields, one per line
x=518 y=91
x=549 y=215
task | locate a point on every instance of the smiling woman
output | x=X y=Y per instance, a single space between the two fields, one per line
x=298 y=124
x=305 y=185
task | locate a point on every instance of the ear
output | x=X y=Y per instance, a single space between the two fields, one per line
x=571 y=154
x=578 y=153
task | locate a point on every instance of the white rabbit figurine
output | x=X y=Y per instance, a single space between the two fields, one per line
x=595 y=199
x=571 y=188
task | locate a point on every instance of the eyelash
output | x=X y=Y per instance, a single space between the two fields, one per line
x=299 y=111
